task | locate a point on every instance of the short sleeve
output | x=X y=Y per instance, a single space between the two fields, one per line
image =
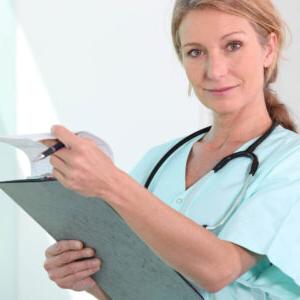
x=268 y=223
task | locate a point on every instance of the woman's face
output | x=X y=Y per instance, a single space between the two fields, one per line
x=221 y=51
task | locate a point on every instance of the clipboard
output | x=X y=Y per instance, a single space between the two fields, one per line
x=129 y=270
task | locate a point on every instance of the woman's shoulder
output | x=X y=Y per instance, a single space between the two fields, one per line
x=283 y=145
x=290 y=138
x=279 y=157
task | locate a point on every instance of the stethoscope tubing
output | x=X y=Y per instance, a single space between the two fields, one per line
x=249 y=153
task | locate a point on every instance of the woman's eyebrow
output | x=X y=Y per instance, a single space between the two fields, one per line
x=223 y=37
x=228 y=34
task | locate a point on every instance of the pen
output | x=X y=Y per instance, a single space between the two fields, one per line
x=49 y=151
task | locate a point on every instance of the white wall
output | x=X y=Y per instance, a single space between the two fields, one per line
x=107 y=67
x=288 y=83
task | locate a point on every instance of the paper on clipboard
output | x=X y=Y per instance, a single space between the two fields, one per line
x=31 y=145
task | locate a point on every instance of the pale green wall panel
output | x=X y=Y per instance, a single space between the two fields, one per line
x=7 y=62
x=8 y=243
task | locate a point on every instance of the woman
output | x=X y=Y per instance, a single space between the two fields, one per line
x=229 y=50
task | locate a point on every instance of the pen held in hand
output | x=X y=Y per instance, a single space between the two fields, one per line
x=49 y=151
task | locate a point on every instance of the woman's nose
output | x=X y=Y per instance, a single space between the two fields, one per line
x=216 y=67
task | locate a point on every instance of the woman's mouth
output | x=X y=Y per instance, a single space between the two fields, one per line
x=221 y=91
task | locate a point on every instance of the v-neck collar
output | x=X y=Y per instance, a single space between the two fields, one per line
x=187 y=152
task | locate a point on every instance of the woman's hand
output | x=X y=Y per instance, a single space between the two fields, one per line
x=64 y=268
x=70 y=266
x=81 y=166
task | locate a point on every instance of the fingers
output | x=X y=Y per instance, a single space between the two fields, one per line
x=70 y=265
x=74 y=271
x=63 y=246
x=68 y=138
x=60 y=177
x=49 y=142
x=72 y=280
x=68 y=257
x=59 y=163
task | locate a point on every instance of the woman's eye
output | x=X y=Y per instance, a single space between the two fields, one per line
x=234 y=46
x=194 y=52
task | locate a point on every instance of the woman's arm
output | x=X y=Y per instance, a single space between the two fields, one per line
x=184 y=245
x=180 y=242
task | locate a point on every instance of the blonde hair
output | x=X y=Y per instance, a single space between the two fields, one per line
x=265 y=19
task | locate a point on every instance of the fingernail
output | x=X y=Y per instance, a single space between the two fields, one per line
x=90 y=252
x=96 y=263
x=78 y=245
x=97 y=267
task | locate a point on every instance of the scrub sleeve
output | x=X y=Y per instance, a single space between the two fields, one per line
x=268 y=223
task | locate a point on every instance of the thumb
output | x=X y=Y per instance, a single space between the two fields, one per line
x=67 y=137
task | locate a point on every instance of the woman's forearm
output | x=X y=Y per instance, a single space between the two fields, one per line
x=180 y=242
x=98 y=293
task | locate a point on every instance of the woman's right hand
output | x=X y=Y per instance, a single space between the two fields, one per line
x=70 y=266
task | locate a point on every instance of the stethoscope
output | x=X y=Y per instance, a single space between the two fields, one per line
x=248 y=153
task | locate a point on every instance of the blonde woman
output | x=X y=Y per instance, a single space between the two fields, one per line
x=231 y=230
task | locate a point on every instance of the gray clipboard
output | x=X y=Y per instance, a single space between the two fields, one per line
x=130 y=270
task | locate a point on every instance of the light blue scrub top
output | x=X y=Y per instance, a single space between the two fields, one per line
x=267 y=222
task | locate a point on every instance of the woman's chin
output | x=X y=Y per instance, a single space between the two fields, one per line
x=223 y=108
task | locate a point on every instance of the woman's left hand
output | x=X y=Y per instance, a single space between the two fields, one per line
x=81 y=166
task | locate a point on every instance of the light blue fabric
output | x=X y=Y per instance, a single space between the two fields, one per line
x=267 y=222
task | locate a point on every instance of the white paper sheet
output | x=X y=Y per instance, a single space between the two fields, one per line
x=32 y=147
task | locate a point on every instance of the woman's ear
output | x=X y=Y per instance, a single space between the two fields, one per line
x=271 y=50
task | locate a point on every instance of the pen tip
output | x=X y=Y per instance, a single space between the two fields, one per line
x=39 y=157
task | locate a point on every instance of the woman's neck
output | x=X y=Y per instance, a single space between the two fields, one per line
x=237 y=129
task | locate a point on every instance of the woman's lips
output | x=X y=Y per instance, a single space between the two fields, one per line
x=221 y=91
